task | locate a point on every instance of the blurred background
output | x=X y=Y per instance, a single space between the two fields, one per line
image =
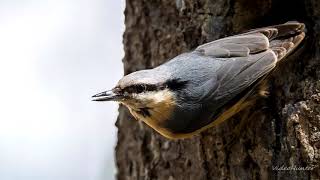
x=54 y=55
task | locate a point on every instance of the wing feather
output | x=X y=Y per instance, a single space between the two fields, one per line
x=249 y=56
x=244 y=73
x=235 y=46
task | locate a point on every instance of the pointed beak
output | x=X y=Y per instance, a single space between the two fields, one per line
x=106 y=96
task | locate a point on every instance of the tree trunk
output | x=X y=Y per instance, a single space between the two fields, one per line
x=284 y=128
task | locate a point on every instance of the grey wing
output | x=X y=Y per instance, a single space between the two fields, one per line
x=235 y=46
x=239 y=73
x=248 y=57
x=282 y=39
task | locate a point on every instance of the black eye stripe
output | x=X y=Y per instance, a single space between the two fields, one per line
x=174 y=84
x=139 y=88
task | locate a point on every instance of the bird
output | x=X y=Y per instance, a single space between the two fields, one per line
x=200 y=89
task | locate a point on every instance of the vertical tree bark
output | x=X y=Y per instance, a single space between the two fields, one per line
x=284 y=129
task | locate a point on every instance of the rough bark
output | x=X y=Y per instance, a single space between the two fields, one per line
x=284 y=128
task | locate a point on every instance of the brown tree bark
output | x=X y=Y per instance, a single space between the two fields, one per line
x=284 y=128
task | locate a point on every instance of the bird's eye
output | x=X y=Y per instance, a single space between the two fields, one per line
x=140 y=88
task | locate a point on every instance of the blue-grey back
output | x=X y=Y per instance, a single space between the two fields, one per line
x=192 y=67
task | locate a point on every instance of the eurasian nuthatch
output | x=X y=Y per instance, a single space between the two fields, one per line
x=200 y=89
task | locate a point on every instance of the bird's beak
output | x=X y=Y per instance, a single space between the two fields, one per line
x=106 y=96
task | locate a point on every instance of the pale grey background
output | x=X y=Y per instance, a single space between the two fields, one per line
x=55 y=54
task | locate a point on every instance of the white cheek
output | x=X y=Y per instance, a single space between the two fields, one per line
x=139 y=101
x=149 y=97
x=159 y=97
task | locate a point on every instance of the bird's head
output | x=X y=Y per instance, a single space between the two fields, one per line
x=150 y=96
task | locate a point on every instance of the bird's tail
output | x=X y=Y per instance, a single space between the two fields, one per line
x=283 y=38
x=289 y=37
